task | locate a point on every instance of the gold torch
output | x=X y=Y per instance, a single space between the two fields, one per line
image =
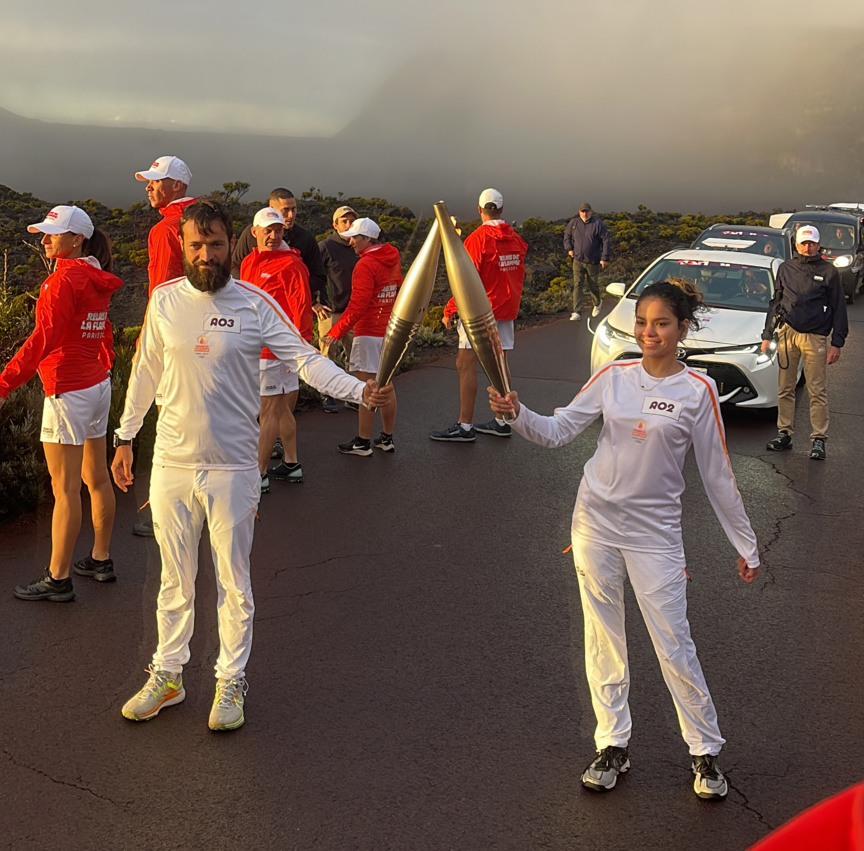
x=409 y=307
x=473 y=305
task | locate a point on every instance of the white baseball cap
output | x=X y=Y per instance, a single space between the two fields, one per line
x=491 y=197
x=362 y=227
x=807 y=234
x=172 y=168
x=267 y=218
x=64 y=219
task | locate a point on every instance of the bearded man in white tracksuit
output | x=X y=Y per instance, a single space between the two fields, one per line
x=200 y=344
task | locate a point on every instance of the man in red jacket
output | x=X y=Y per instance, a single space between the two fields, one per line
x=498 y=253
x=167 y=180
x=280 y=272
x=374 y=283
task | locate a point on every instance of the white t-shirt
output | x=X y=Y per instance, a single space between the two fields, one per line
x=202 y=350
x=630 y=494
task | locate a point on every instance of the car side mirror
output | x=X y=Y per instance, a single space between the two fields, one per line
x=616 y=289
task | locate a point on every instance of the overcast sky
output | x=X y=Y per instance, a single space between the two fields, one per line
x=303 y=68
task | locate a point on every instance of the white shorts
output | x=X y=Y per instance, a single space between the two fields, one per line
x=505 y=334
x=276 y=379
x=76 y=416
x=365 y=354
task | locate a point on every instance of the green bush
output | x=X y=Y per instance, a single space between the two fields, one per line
x=23 y=473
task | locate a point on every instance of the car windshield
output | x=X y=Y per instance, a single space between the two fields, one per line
x=833 y=236
x=737 y=286
x=741 y=239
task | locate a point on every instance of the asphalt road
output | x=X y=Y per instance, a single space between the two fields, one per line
x=416 y=680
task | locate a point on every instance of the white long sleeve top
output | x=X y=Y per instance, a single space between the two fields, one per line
x=630 y=493
x=202 y=351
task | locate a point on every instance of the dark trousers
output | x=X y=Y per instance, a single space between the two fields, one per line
x=586 y=281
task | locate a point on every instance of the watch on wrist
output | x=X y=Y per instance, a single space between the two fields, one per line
x=118 y=441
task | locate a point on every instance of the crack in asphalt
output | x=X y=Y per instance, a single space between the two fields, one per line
x=746 y=804
x=304 y=594
x=324 y=561
x=120 y=805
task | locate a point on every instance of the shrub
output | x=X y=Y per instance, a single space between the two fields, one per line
x=23 y=473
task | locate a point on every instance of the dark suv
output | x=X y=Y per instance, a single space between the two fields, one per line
x=841 y=232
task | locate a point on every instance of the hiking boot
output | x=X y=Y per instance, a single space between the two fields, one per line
x=330 y=405
x=455 y=434
x=710 y=782
x=144 y=530
x=781 y=442
x=595 y=310
x=358 y=446
x=602 y=774
x=818 y=450
x=101 y=571
x=278 y=450
x=575 y=317
x=46 y=587
x=494 y=427
x=162 y=689
x=265 y=483
x=227 y=711
x=384 y=442
x=287 y=472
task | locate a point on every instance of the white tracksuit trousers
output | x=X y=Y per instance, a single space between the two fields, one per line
x=659 y=583
x=181 y=500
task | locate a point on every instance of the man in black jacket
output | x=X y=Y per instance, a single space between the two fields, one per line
x=297 y=237
x=810 y=306
x=588 y=242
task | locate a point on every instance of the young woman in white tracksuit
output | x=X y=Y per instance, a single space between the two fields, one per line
x=627 y=522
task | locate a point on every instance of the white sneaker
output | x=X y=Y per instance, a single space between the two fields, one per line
x=161 y=689
x=227 y=711
x=602 y=774
x=575 y=317
x=596 y=310
x=710 y=782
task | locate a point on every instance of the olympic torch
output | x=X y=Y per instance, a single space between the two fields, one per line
x=473 y=305
x=409 y=307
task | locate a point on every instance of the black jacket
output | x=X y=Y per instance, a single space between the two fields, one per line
x=589 y=241
x=339 y=262
x=296 y=237
x=809 y=297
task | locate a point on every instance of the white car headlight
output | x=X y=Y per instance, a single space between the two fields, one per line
x=843 y=261
x=755 y=349
x=608 y=334
x=764 y=357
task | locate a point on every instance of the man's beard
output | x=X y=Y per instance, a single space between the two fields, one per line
x=208 y=279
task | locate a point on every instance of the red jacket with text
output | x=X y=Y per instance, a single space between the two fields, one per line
x=498 y=253
x=71 y=346
x=283 y=275
x=374 y=284
x=163 y=245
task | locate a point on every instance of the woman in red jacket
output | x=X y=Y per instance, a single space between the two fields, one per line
x=71 y=349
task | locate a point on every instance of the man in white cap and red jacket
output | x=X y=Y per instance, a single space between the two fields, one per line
x=808 y=311
x=498 y=253
x=167 y=181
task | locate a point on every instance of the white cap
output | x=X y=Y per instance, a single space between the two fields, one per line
x=493 y=197
x=267 y=218
x=362 y=227
x=171 y=167
x=65 y=219
x=807 y=234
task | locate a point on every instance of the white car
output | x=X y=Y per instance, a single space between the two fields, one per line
x=737 y=289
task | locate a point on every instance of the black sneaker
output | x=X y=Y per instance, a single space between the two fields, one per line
x=352 y=406
x=46 y=587
x=358 y=446
x=330 y=405
x=278 y=451
x=710 y=782
x=143 y=530
x=818 y=450
x=455 y=434
x=602 y=774
x=493 y=427
x=287 y=472
x=101 y=571
x=384 y=442
x=781 y=442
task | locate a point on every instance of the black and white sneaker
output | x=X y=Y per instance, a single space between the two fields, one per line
x=265 y=483
x=818 y=450
x=278 y=451
x=101 y=571
x=494 y=427
x=602 y=774
x=352 y=406
x=287 y=471
x=781 y=442
x=710 y=783
x=358 y=446
x=455 y=434
x=384 y=442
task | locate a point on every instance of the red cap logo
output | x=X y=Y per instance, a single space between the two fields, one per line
x=155 y=165
x=51 y=215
